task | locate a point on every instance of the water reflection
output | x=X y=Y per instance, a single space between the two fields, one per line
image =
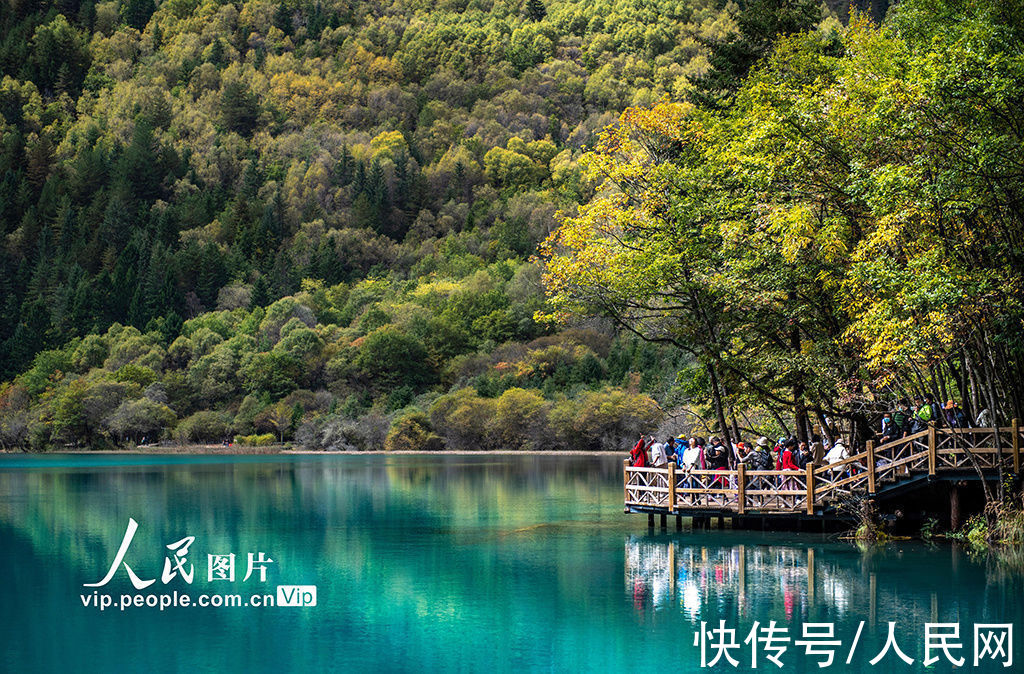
x=705 y=579
x=663 y=574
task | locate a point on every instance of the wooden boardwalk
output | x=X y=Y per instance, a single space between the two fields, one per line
x=886 y=471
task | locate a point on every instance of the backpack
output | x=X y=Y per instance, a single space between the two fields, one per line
x=924 y=413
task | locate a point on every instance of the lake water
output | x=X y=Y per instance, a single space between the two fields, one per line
x=442 y=563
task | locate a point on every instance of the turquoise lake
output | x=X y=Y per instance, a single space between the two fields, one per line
x=443 y=563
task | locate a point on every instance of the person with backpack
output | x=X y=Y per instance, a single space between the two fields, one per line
x=917 y=413
x=716 y=457
x=901 y=417
x=955 y=417
x=929 y=412
x=759 y=458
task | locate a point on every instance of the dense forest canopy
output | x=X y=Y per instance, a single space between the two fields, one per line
x=166 y=162
x=844 y=230
x=154 y=154
x=318 y=219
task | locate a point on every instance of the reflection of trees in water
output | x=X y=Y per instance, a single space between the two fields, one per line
x=86 y=507
x=829 y=582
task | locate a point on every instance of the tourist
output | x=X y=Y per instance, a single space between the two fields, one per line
x=984 y=419
x=758 y=458
x=787 y=463
x=817 y=450
x=918 y=422
x=901 y=417
x=691 y=455
x=803 y=456
x=837 y=454
x=716 y=457
x=955 y=417
x=890 y=431
x=930 y=412
x=638 y=456
x=691 y=460
x=674 y=450
x=658 y=457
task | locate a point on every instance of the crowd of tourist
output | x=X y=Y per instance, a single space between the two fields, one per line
x=697 y=453
x=788 y=453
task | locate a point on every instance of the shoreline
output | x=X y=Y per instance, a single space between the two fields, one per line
x=204 y=450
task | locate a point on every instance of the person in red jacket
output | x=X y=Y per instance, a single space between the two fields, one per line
x=638 y=457
x=786 y=459
x=788 y=462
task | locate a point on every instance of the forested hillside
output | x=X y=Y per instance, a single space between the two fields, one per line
x=169 y=171
x=153 y=156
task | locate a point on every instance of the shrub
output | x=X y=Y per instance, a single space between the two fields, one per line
x=462 y=419
x=203 y=427
x=412 y=432
x=255 y=440
x=390 y=357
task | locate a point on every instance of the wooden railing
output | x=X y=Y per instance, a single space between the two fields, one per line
x=930 y=452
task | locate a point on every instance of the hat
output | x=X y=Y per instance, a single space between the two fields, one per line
x=950 y=405
x=762 y=441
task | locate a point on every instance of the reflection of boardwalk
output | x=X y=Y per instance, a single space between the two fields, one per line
x=664 y=574
x=701 y=580
x=888 y=471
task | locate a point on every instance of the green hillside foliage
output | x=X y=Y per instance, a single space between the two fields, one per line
x=439 y=361
x=313 y=218
x=155 y=154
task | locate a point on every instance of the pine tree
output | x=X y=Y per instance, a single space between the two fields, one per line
x=536 y=10
x=761 y=23
x=239 y=108
x=137 y=13
x=260 y=293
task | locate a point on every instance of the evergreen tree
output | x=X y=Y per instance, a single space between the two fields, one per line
x=536 y=10
x=260 y=293
x=239 y=108
x=760 y=23
x=136 y=13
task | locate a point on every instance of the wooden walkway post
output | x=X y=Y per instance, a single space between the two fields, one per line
x=871 y=467
x=671 y=486
x=625 y=481
x=932 y=457
x=741 y=488
x=809 y=471
x=1016 y=445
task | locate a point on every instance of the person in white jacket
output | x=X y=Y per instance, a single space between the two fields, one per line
x=838 y=453
x=658 y=457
